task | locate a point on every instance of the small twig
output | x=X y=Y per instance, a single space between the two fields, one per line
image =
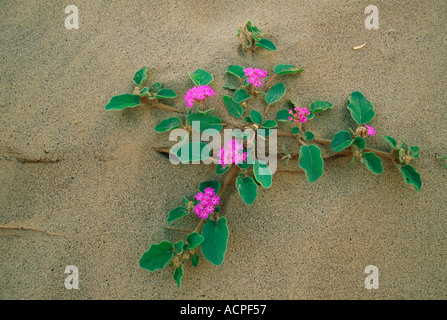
x=27 y=228
x=41 y=160
x=439 y=158
x=162 y=150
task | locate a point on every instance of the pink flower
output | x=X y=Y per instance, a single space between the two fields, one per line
x=197 y=94
x=231 y=153
x=208 y=201
x=371 y=130
x=301 y=115
x=254 y=76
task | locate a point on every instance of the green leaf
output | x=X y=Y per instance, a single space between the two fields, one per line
x=269 y=124
x=234 y=108
x=253 y=29
x=215 y=242
x=210 y=184
x=140 y=76
x=236 y=70
x=158 y=256
x=295 y=130
x=193 y=151
x=241 y=95
x=156 y=87
x=166 y=94
x=361 y=109
x=201 y=77
x=256 y=117
x=247 y=163
x=373 y=162
x=194 y=239
x=222 y=170
x=230 y=86
x=206 y=122
x=311 y=161
x=309 y=135
x=168 y=125
x=262 y=173
x=275 y=93
x=123 y=101
x=178 y=247
x=414 y=152
x=359 y=142
x=341 y=141
x=283 y=116
x=178 y=274
x=286 y=69
x=311 y=116
x=195 y=260
x=248 y=189
x=177 y=213
x=247 y=119
x=266 y=44
x=411 y=176
x=318 y=106
x=391 y=141
x=144 y=92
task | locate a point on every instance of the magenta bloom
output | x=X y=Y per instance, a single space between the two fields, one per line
x=371 y=130
x=301 y=115
x=197 y=94
x=254 y=76
x=208 y=200
x=231 y=153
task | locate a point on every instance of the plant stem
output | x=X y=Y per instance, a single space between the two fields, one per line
x=266 y=110
x=243 y=43
x=229 y=123
x=269 y=82
x=289 y=171
x=156 y=104
x=380 y=154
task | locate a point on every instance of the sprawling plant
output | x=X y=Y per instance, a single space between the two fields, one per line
x=236 y=159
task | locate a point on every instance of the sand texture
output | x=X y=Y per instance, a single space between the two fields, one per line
x=90 y=176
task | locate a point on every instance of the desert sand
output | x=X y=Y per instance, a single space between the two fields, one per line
x=106 y=193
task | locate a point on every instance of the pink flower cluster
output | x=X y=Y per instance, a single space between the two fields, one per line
x=254 y=76
x=196 y=94
x=301 y=115
x=371 y=130
x=231 y=153
x=208 y=200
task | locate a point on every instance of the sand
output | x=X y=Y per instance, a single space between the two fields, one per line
x=106 y=193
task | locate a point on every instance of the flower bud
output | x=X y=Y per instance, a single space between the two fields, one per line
x=361 y=132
